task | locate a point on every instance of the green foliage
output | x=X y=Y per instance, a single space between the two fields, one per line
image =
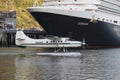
x=24 y=19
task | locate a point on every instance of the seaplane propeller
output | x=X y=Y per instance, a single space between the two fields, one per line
x=83 y=43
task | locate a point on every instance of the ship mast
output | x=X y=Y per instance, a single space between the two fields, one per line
x=35 y=3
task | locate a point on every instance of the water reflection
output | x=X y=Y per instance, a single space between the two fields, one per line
x=99 y=64
x=46 y=68
x=7 y=67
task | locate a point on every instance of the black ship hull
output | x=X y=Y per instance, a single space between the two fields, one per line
x=95 y=33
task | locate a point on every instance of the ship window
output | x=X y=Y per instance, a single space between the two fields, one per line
x=89 y=10
x=106 y=19
x=110 y=20
x=103 y=19
x=70 y=8
x=115 y=21
x=98 y=18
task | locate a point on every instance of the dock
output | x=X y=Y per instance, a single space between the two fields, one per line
x=7 y=37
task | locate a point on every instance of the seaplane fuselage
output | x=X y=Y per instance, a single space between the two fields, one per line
x=53 y=42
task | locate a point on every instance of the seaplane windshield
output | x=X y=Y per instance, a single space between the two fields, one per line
x=71 y=39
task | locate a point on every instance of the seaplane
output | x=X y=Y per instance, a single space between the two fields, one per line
x=58 y=43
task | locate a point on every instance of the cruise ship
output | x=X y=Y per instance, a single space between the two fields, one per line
x=96 y=21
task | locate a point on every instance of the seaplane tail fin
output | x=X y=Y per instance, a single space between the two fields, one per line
x=21 y=38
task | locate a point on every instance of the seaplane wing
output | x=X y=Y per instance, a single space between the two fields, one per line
x=23 y=40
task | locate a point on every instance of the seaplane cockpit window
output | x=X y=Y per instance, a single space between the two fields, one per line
x=115 y=21
x=53 y=41
x=72 y=39
x=67 y=39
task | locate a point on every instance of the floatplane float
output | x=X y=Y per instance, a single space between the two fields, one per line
x=49 y=42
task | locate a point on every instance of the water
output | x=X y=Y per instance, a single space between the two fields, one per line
x=94 y=64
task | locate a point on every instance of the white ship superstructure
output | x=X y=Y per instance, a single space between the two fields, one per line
x=103 y=10
x=83 y=5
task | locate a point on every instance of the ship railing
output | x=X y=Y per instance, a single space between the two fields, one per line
x=71 y=3
x=72 y=7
